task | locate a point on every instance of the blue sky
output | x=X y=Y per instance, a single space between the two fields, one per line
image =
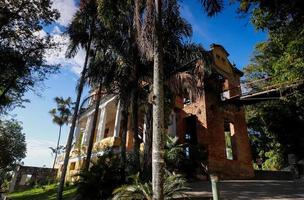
x=236 y=34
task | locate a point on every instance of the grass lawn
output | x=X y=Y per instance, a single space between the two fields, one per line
x=47 y=192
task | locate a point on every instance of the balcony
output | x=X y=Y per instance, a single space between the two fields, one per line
x=105 y=143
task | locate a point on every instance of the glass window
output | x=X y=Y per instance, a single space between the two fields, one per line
x=228 y=140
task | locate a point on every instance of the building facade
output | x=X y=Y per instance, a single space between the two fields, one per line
x=208 y=120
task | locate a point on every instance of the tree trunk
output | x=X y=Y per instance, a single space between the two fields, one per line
x=94 y=125
x=56 y=152
x=147 y=165
x=158 y=109
x=124 y=128
x=134 y=115
x=74 y=119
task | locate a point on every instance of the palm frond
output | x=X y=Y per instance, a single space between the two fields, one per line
x=212 y=7
x=174 y=186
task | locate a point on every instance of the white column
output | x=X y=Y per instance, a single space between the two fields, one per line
x=77 y=133
x=101 y=124
x=87 y=131
x=144 y=131
x=117 y=120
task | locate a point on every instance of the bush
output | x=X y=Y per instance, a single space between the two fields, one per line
x=174 y=186
x=274 y=160
x=188 y=162
x=102 y=178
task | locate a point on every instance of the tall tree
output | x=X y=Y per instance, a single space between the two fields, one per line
x=152 y=46
x=276 y=126
x=22 y=48
x=99 y=71
x=81 y=32
x=12 y=144
x=60 y=116
x=13 y=147
x=117 y=17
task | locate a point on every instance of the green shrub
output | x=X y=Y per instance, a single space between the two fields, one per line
x=102 y=178
x=174 y=186
x=274 y=160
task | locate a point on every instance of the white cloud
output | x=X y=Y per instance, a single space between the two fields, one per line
x=57 y=56
x=56 y=30
x=198 y=27
x=40 y=34
x=38 y=153
x=67 y=8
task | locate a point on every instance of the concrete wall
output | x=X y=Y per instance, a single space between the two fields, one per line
x=26 y=177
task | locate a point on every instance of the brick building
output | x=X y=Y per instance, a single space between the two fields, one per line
x=209 y=121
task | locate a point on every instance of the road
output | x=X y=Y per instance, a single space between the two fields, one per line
x=250 y=189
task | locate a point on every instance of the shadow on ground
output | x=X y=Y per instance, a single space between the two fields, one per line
x=250 y=189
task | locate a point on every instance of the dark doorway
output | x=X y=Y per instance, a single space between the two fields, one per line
x=190 y=135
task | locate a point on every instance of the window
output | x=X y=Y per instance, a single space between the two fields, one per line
x=72 y=166
x=25 y=179
x=228 y=140
x=106 y=133
x=172 y=124
x=187 y=101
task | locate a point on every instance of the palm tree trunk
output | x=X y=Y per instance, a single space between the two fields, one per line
x=56 y=152
x=94 y=125
x=147 y=165
x=134 y=107
x=158 y=109
x=74 y=119
x=124 y=128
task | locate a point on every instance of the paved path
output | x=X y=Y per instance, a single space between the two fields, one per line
x=250 y=189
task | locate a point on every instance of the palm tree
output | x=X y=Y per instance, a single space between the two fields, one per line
x=118 y=18
x=81 y=32
x=152 y=46
x=98 y=72
x=174 y=185
x=61 y=115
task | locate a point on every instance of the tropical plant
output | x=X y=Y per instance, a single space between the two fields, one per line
x=174 y=186
x=57 y=150
x=174 y=153
x=149 y=26
x=81 y=32
x=61 y=115
x=101 y=179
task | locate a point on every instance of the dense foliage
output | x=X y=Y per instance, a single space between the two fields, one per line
x=276 y=127
x=102 y=178
x=12 y=144
x=22 y=48
x=174 y=185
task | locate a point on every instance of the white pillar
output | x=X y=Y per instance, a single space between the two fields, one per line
x=87 y=131
x=101 y=124
x=117 y=120
x=144 y=131
x=77 y=133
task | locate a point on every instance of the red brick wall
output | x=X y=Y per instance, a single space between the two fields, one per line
x=211 y=113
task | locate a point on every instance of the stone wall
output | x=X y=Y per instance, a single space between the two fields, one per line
x=27 y=177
